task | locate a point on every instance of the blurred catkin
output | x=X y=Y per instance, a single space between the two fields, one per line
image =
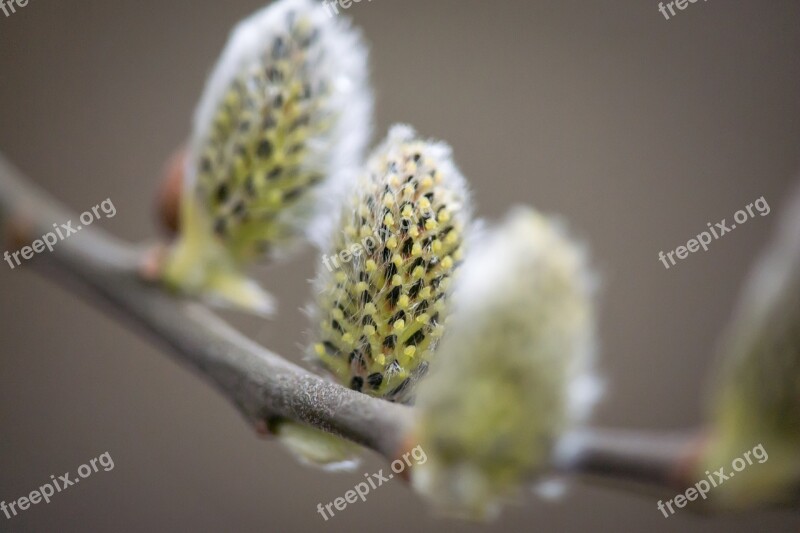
x=513 y=370
x=757 y=400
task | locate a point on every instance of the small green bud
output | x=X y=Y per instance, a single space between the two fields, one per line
x=314 y=447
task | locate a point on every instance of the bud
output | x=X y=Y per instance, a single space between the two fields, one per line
x=513 y=371
x=383 y=286
x=315 y=448
x=283 y=119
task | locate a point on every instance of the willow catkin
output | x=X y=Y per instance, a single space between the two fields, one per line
x=283 y=120
x=513 y=370
x=756 y=402
x=382 y=289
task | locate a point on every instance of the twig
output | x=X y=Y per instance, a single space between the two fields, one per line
x=638 y=461
x=262 y=384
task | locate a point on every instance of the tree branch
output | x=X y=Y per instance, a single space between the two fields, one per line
x=261 y=384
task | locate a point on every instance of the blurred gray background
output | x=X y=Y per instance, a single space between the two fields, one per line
x=635 y=129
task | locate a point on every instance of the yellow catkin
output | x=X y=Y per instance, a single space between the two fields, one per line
x=393 y=297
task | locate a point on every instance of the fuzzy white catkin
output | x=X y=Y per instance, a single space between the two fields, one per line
x=281 y=126
x=513 y=371
x=335 y=66
x=381 y=313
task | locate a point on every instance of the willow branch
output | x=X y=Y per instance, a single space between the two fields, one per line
x=260 y=383
x=646 y=463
